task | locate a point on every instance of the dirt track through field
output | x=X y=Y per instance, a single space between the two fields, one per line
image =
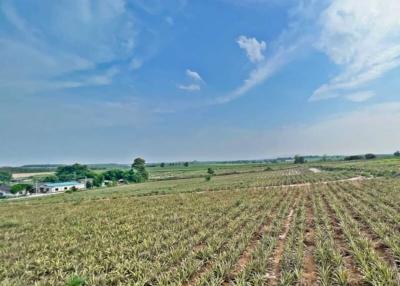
x=246 y=255
x=359 y=178
x=355 y=277
x=378 y=245
x=274 y=276
x=310 y=269
x=208 y=265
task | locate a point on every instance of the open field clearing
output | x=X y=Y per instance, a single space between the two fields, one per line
x=29 y=175
x=282 y=227
x=259 y=179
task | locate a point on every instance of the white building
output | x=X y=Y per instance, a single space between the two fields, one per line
x=60 y=187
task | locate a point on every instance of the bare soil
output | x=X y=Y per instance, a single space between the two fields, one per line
x=273 y=277
x=310 y=270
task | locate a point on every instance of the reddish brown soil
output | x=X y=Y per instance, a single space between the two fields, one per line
x=273 y=277
x=379 y=246
x=204 y=269
x=245 y=257
x=355 y=277
x=310 y=270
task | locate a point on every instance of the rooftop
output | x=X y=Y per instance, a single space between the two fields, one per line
x=62 y=184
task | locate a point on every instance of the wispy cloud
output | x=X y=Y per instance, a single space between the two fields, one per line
x=359 y=96
x=258 y=75
x=189 y=87
x=63 y=51
x=194 y=75
x=363 y=39
x=254 y=49
x=196 y=81
x=282 y=50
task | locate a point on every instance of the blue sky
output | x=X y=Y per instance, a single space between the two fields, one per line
x=106 y=81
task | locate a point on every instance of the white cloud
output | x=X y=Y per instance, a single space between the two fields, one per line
x=64 y=50
x=363 y=38
x=360 y=96
x=261 y=73
x=283 y=50
x=196 y=81
x=254 y=49
x=189 y=87
x=193 y=75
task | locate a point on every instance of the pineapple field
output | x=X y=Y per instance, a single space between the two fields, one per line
x=285 y=226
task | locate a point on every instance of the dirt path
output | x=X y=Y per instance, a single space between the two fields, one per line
x=355 y=277
x=246 y=255
x=378 y=245
x=359 y=178
x=310 y=270
x=274 y=276
x=315 y=170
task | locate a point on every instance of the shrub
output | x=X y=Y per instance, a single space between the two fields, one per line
x=370 y=156
x=5 y=177
x=76 y=281
x=353 y=157
x=299 y=159
x=20 y=188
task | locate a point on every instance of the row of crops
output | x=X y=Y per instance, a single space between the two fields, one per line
x=299 y=175
x=338 y=233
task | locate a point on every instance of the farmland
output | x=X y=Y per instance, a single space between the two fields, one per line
x=249 y=225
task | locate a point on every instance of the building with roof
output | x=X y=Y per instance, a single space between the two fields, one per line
x=5 y=190
x=61 y=187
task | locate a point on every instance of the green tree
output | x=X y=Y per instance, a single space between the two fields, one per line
x=162 y=165
x=98 y=180
x=353 y=157
x=130 y=176
x=114 y=175
x=210 y=171
x=139 y=167
x=370 y=156
x=5 y=177
x=73 y=172
x=186 y=164
x=50 y=179
x=397 y=154
x=21 y=188
x=299 y=159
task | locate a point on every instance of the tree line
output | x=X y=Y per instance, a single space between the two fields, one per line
x=136 y=174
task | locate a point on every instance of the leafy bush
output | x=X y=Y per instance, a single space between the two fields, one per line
x=370 y=156
x=5 y=177
x=21 y=188
x=353 y=157
x=76 y=281
x=299 y=159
